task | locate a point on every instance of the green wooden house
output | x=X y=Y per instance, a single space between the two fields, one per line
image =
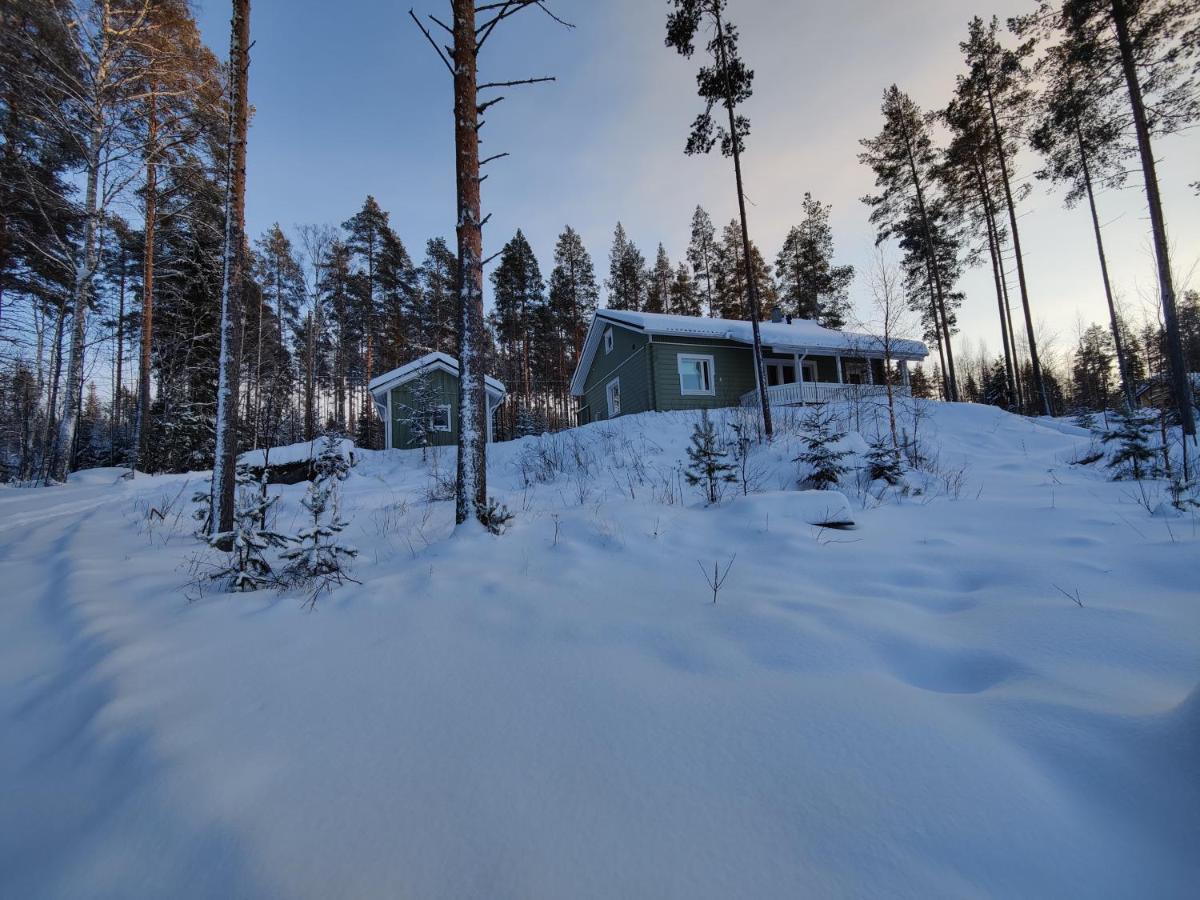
x=421 y=399
x=639 y=362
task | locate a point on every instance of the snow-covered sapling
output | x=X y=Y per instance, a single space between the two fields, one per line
x=1134 y=455
x=247 y=543
x=320 y=559
x=823 y=462
x=883 y=462
x=495 y=516
x=708 y=467
x=749 y=476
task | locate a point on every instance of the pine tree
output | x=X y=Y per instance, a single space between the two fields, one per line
x=658 y=284
x=320 y=560
x=281 y=283
x=1148 y=51
x=968 y=174
x=1081 y=134
x=626 y=273
x=1134 y=455
x=883 y=461
x=1091 y=370
x=727 y=82
x=572 y=301
x=708 y=466
x=998 y=79
x=702 y=256
x=810 y=285
x=822 y=462
x=518 y=318
x=438 y=316
x=249 y=539
x=367 y=232
x=902 y=158
x=685 y=301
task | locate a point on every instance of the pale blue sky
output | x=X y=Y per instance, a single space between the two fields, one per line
x=350 y=100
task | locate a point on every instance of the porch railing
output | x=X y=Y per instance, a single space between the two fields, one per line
x=819 y=392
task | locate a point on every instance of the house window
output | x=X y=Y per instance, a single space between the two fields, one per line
x=696 y=375
x=440 y=420
x=608 y=340
x=614 y=397
x=809 y=371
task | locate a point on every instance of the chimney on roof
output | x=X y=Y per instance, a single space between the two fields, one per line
x=776 y=314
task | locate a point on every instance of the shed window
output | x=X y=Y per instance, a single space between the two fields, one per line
x=614 y=397
x=608 y=340
x=696 y=375
x=440 y=420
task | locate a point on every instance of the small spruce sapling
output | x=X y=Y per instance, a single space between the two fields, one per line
x=883 y=462
x=320 y=559
x=707 y=465
x=247 y=544
x=1134 y=455
x=823 y=461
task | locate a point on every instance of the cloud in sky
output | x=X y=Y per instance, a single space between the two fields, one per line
x=350 y=100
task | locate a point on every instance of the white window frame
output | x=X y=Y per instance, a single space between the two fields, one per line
x=437 y=411
x=711 y=391
x=608 y=394
x=608 y=340
x=807 y=366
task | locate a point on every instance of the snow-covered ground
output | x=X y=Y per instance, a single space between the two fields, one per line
x=911 y=708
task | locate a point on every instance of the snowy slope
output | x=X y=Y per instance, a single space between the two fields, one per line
x=910 y=708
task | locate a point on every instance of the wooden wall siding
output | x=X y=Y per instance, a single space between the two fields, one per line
x=446 y=388
x=733 y=377
x=630 y=362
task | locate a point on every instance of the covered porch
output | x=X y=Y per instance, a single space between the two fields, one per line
x=800 y=378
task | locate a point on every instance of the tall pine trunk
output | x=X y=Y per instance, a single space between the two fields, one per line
x=232 y=284
x=471 y=496
x=1118 y=343
x=760 y=370
x=948 y=373
x=1034 y=360
x=997 y=274
x=1179 y=380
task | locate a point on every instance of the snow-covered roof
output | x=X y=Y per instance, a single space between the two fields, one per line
x=799 y=335
x=381 y=384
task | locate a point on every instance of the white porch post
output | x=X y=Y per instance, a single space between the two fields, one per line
x=870 y=370
x=838 y=360
x=799 y=371
x=904 y=372
x=387 y=428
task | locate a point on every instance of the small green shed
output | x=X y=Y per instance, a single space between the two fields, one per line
x=421 y=399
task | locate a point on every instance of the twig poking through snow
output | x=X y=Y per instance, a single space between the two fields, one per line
x=1073 y=597
x=718 y=578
